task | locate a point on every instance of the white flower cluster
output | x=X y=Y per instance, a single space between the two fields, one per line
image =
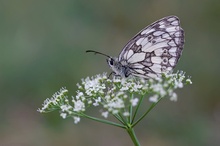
x=55 y=102
x=114 y=95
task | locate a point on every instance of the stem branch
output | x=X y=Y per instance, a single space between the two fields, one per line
x=103 y=121
x=151 y=107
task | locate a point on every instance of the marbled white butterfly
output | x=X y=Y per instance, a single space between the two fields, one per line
x=154 y=50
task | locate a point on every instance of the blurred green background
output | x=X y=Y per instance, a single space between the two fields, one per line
x=42 y=48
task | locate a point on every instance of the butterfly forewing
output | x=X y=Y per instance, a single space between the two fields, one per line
x=155 y=49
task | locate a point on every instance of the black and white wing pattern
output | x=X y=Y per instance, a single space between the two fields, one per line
x=155 y=49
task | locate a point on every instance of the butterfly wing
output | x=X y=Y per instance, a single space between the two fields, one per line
x=155 y=49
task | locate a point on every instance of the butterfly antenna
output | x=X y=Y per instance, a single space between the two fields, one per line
x=98 y=53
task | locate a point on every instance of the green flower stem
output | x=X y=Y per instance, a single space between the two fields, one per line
x=136 y=110
x=122 y=118
x=151 y=107
x=132 y=134
x=118 y=118
x=130 y=110
x=103 y=121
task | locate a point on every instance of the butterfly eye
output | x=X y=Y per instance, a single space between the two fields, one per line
x=111 y=62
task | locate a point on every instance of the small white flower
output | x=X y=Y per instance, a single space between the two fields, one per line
x=126 y=114
x=135 y=87
x=97 y=101
x=107 y=97
x=154 y=98
x=115 y=111
x=79 y=86
x=63 y=115
x=40 y=110
x=124 y=88
x=116 y=80
x=76 y=119
x=178 y=84
x=78 y=106
x=119 y=94
x=105 y=114
x=125 y=96
x=173 y=97
x=134 y=101
x=65 y=107
x=116 y=103
x=79 y=95
x=158 y=88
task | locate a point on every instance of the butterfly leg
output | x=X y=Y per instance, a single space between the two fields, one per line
x=111 y=74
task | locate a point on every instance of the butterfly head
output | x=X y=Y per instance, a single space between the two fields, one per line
x=117 y=67
x=113 y=63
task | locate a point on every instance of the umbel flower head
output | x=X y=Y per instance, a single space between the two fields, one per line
x=116 y=96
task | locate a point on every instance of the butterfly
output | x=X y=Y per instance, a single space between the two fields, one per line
x=156 y=49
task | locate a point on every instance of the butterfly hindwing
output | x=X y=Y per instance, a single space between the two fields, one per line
x=155 y=49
